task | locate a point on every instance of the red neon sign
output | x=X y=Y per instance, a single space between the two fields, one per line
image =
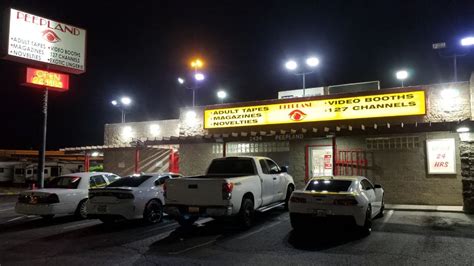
x=51 y=80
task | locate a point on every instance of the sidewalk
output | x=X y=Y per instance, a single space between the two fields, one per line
x=428 y=208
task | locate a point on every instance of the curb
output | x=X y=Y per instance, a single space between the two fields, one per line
x=455 y=209
x=9 y=194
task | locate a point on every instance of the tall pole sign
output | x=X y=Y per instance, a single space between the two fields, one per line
x=47 y=44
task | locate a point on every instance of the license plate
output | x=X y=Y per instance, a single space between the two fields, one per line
x=102 y=208
x=193 y=209
x=320 y=213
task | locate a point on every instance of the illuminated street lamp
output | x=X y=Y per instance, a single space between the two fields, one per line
x=221 y=95
x=311 y=63
x=454 y=51
x=401 y=75
x=468 y=41
x=196 y=64
x=122 y=105
x=198 y=77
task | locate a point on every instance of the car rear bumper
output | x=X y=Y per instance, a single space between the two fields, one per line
x=208 y=211
x=329 y=212
x=304 y=219
x=127 y=211
x=42 y=209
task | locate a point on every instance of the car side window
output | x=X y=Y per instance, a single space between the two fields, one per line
x=264 y=166
x=274 y=169
x=160 y=181
x=97 y=181
x=366 y=185
x=112 y=178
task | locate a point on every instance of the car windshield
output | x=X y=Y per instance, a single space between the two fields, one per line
x=231 y=167
x=71 y=182
x=322 y=185
x=130 y=181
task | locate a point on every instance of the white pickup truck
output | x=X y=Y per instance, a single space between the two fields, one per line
x=233 y=186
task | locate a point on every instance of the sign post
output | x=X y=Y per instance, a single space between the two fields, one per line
x=42 y=151
x=35 y=40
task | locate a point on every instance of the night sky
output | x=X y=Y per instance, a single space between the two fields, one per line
x=140 y=48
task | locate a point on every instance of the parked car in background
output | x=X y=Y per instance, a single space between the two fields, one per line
x=131 y=197
x=346 y=199
x=232 y=186
x=65 y=194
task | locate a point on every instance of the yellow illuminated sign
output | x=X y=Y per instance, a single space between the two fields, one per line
x=370 y=106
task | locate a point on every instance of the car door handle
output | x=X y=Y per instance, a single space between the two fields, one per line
x=274 y=178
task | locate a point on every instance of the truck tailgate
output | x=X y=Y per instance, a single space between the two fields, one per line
x=195 y=192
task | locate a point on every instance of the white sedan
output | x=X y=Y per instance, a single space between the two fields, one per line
x=131 y=197
x=65 y=194
x=352 y=199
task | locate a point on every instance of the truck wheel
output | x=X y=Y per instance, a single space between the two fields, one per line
x=81 y=211
x=186 y=222
x=289 y=190
x=153 y=212
x=246 y=214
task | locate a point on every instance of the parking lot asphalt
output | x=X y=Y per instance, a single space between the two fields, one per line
x=400 y=237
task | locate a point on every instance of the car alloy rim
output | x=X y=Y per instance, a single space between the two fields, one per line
x=154 y=214
x=83 y=210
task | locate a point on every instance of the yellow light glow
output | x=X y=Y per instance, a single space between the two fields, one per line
x=198 y=63
x=370 y=106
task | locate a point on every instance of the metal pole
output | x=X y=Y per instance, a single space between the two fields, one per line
x=304 y=85
x=194 y=97
x=402 y=83
x=455 y=68
x=42 y=151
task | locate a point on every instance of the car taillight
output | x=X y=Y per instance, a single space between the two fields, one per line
x=298 y=200
x=227 y=190
x=124 y=196
x=345 y=202
x=51 y=198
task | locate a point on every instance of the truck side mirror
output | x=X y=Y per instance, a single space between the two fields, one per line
x=377 y=186
x=284 y=169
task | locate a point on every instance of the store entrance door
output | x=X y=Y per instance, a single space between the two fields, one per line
x=320 y=161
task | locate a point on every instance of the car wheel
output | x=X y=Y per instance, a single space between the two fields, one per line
x=186 y=222
x=367 y=227
x=382 y=208
x=47 y=217
x=81 y=211
x=153 y=212
x=289 y=190
x=246 y=213
x=296 y=222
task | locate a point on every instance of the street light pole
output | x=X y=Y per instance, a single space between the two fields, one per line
x=311 y=63
x=455 y=68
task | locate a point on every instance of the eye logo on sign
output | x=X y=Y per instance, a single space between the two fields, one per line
x=51 y=36
x=297 y=115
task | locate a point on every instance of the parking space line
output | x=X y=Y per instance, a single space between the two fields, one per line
x=194 y=247
x=81 y=224
x=15 y=219
x=7 y=209
x=259 y=230
x=385 y=219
